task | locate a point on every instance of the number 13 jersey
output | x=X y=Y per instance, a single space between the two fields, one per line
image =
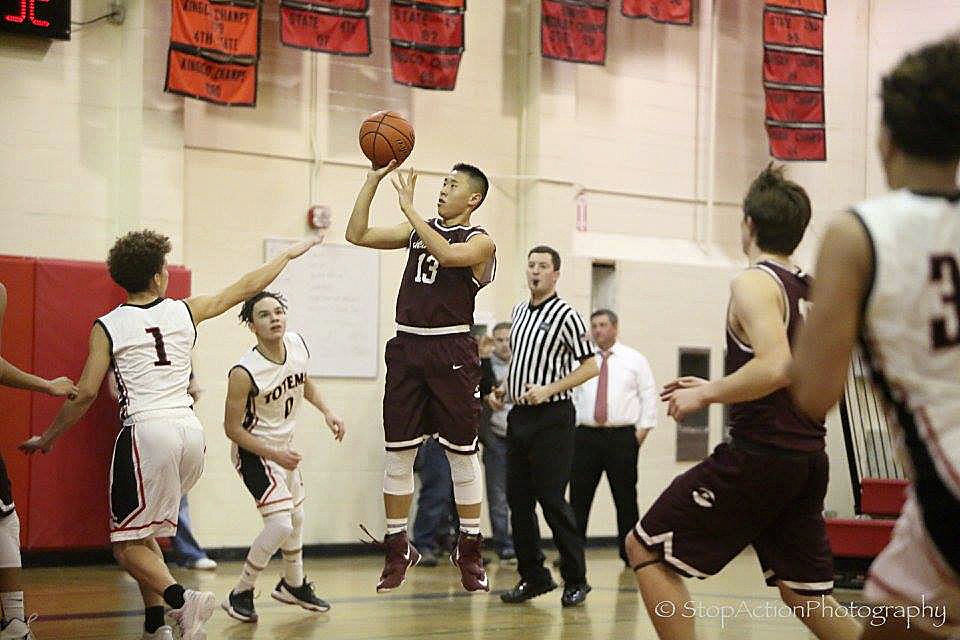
x=277 y=392
x=150 y=349
x=438 y=298
x=911 y=327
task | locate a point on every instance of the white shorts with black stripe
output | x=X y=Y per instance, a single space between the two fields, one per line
x=272 y=487
x=157 y=458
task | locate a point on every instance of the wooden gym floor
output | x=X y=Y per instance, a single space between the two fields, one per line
x=78 y=603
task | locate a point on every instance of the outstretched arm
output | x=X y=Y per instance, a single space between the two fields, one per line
x=478 y=250
x=359 y=231
x=844 y=271
x=312 y=393
x=210 y=306
x=98 y=361
x=239 y=388
x=756 y=302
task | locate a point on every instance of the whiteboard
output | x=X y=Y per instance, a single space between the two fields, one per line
x=334 y=296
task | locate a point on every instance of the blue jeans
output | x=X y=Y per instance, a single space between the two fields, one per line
x=185 y=545
x=435 y=503
x=495 y=472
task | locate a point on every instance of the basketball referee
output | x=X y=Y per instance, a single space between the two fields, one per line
x=547 y=337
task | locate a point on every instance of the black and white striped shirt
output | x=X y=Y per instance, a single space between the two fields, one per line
x=548 y=341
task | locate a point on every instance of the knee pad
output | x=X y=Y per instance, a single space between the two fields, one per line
x=465 y=471
x=398 y=472
x=277 y=527
x=10 y=541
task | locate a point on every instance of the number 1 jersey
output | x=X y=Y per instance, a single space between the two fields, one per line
x=277 y=392
x=150 y=349
x=437 y=298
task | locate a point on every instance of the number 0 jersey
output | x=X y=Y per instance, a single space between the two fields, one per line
x=435 y=300
x=911 y=326
x=150 y=349
x=277 y=392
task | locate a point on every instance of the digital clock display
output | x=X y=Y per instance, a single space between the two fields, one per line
x=45 y=18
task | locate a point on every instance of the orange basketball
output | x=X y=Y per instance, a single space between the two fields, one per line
x=386 y=136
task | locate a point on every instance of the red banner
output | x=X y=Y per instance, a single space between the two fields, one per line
x=575 y=33
x=788 y=143
x=669 y=11
x=429 y=27
x=424 y=68
x=219 y=82
x=445 y=4
x=787 y=67
x=355 y=6
x=788 y=105
x=327 y=32
x=229 y=29
x=812 y=6
x=791 y=30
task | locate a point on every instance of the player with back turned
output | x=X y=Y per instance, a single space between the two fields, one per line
x=433 y=367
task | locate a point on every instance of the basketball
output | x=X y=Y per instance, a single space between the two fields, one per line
x=385 y=136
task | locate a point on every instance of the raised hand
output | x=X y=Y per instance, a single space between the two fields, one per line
x=405 y=188
x=301 y=248
x=378 y=174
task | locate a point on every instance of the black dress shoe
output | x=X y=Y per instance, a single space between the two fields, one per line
x=574 y=594
x=526 y=590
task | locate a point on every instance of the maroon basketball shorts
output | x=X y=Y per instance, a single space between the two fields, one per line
x=738 y=497
x=433 y=388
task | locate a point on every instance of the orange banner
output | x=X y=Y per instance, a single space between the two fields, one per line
x=229 y=29
x=788 y=143
x=346 y=35
x=669 y=11
x=792 y=30
x=205 y=79
x=812 y=6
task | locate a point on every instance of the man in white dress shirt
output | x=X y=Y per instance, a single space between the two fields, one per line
x=615 y=411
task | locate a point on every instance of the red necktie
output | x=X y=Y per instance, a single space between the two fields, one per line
x=600 y=408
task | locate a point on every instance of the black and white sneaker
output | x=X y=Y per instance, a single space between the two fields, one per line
x=302 y=595
x=239 y=605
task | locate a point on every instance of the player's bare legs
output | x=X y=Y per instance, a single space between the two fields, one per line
x=658 y=584
x=823 y=619
x=144 y=562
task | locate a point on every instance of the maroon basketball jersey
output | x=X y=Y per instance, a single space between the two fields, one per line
x=435 y=297
x=774 y=419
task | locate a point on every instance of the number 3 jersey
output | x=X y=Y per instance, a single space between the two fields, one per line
x=911 y=327
x=277 y=392
x=435 y=300
x=150 y=349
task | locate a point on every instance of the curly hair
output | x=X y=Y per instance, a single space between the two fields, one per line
x=921 y=102
x=780 y=210
x=246 y=311
x=136 y=257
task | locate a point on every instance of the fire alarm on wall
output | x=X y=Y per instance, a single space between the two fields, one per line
x=319 y=217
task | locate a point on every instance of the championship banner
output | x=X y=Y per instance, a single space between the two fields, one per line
x=425 y=68
x=431 y=27
x=573 y=32
x=791 y=105
x=797 y=143
x=351 y=6
x=788 y=67
x=810 y=6
x=327 y=32
x=668 y=11
x=792 y=30
x=225 y=83
x=231 y=29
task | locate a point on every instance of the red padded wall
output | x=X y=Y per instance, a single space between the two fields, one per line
x=16 y=345
x=64 y=503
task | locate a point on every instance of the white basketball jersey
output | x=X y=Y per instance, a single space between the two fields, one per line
x=278 y=390
x=150 y=348
x=912 y=319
